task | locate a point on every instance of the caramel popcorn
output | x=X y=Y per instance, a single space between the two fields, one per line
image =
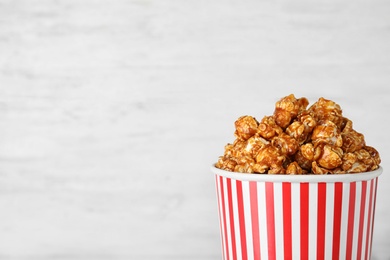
x=288 y=108
x=299 y=140
x=246 y=126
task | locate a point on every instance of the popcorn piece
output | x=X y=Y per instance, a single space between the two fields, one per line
x=367 y=159
x=294 y=168
x=352 y=140
x=245 y=164
x=296 y=140
x=356 y=162
x=327 y=132
x=288 y=108
x=325 y=109
x=270 y=157
x=349 y=159
x=246 y=126
x=330 y=157
x=254 y=144
x=305 y=156
x=286 y=144
x=226 y=163
x=237 y=149
x=268 y=127
x=301 y=129
x=374 y=156
x=316 y=169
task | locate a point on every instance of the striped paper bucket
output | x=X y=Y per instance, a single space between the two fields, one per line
x=296 y=216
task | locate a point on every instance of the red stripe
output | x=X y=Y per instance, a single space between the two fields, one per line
x=368 y=235
x=269 y=196
x=220 y=214
x=287 y=220
x=321 y=220
x=338 y=200
x=241 y=217
x=255 y=219
x=226 y=253
x=351 y=216
x=304 y=199
x=373 y=212
x=361 y=219
x=231 y=217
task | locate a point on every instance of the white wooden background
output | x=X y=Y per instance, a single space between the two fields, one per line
x=111 y=113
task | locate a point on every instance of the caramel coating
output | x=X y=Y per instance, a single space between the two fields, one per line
x=254 y=144
x=327 y=132
x=294 y=168
x=246 y=126
x=330 y=156
x=352 y=140
x=288 y=108
x=305 y=156
x=226 y=163
x=301 y=129
x=325 y=109
x=374 y=156
x=270 y=157
x=296 y=140
x=286 y=144
x=268 y=127
x=316 y=169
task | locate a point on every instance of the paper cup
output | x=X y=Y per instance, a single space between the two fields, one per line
x=296 y=216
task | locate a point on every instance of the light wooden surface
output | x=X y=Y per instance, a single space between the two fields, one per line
x=111 y=113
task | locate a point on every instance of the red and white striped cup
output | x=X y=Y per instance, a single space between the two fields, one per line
x=296 y=216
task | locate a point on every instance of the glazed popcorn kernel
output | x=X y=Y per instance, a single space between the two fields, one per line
x=298 y=139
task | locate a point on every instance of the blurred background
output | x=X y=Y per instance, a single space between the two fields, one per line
x=112 y=112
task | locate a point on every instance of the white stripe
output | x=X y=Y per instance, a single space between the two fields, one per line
x=295 y=219
x=372 y=215
x=365 y=219
x=344 y=220
x=236 y=219
x=248 y=219
x=229 y=235
x=262 y=220
x=329 y=220
x=313 y=212
x=279 y=237
x=373 y=205
x=357 y=219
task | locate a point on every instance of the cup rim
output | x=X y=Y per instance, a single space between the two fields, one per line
x=305 y=178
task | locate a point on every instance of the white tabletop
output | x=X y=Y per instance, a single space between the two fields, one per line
x=111 y=113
